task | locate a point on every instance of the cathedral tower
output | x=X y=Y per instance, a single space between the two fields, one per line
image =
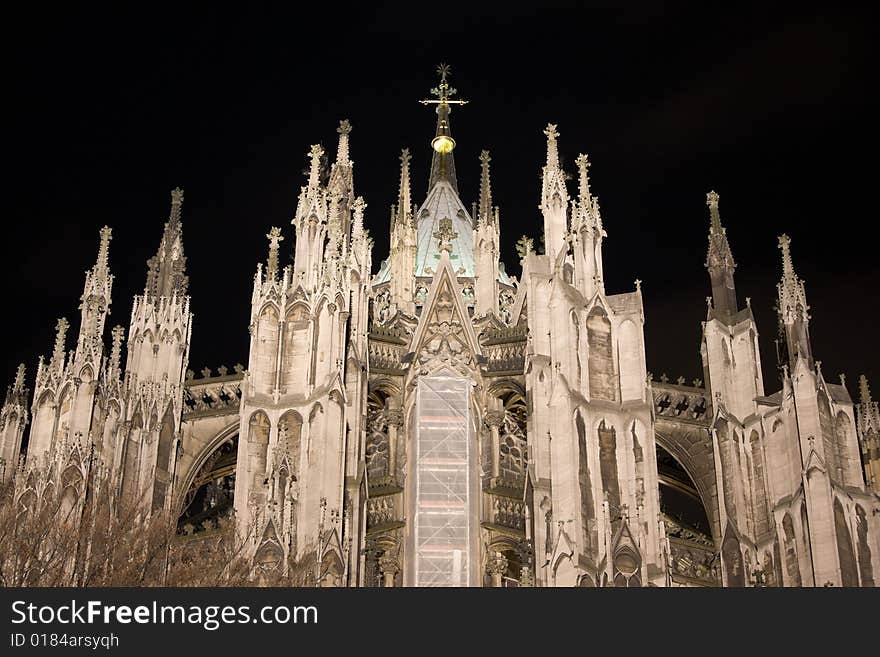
x=302 y=394
x=158 y=351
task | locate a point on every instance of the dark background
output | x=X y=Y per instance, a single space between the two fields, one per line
x=769 y=107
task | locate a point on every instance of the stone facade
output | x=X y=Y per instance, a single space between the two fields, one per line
x=443 y=423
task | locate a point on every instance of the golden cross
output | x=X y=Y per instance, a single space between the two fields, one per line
x=444 y=92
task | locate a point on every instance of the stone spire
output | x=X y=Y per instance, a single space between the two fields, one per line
x=554 y=196
x=95 y=300
x=404 y=193
x=341 y=181
x=792 y=308
x=792 y=295
x=485 y=215
x=442 y=163
x=102 y=262
x=275 y=238
x=166 y=271
x=719 y=262
x=585 y=218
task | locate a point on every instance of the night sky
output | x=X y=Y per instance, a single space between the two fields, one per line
x=769 y=107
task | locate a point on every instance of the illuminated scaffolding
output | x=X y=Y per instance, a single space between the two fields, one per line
x=443 y=516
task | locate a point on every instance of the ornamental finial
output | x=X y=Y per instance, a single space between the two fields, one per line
x=357 y=209
x=583 y=165
x=315 y=153
x=344 y=130
x=275 y=238
x=552 y=150
x=446 y=234
x=60 y=336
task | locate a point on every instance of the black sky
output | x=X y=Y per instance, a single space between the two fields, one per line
x=769 y=107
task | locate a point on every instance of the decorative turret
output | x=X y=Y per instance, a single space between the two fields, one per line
x=13 y=418
x=486 y=245
x=793 y=310
x=719 y=262
x=158 y=353
x=587 y=233
x=311 y=221
x=554 y=197
x=403 y=242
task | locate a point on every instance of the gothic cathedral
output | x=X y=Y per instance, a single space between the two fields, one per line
x=441 y=423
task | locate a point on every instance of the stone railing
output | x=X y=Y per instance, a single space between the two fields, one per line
x=212 y=395
x=508 y=512
x=505 y=357
x=386 y=356
x=382 y=513
x=678 y=401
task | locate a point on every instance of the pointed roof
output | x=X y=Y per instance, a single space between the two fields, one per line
x=443 y=203
x=166 y=271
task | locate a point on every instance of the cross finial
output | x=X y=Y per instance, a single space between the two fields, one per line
x=443 y=92
x=446 y=234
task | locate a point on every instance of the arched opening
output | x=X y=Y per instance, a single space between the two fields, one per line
x=693 y=558
x=209 y=500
